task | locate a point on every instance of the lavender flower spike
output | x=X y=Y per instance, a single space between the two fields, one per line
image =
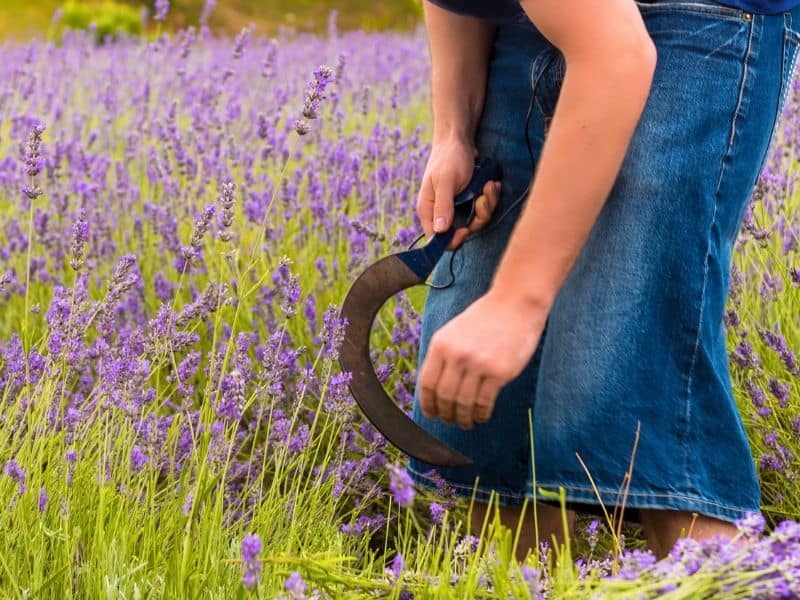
x=401 y=486
x=251 y=548
x=16 y=473
x=315 y=92
x=162 y=8
x=295 y=586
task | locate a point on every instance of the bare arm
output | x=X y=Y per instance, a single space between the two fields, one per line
x=610 y=61
x=459 y=48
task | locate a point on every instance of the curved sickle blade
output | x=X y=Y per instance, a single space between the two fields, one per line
x=366 y=296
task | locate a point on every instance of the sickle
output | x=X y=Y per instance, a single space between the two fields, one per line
x=367 y=295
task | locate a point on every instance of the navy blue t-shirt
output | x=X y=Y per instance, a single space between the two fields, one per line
x=509 y=10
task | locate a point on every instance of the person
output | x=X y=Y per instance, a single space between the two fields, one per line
x=581 y=342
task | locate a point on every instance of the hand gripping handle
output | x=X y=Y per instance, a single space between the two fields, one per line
x=485 y=170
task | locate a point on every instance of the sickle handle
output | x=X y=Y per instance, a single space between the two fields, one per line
x=485 y=170
x=422 y=260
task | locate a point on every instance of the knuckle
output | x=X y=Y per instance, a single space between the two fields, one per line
x=464 y=405
x=484 y=405
x=425 y=382
x=457 y=356
x=444 y=396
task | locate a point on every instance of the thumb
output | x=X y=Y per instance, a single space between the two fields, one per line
x=443 y=206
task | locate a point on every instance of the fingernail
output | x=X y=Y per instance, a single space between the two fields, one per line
x=438 y=224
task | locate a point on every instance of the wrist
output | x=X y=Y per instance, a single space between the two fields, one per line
x=526 y=303
x=452 y=135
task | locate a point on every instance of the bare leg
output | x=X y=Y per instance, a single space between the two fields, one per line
x=549 y=524
x=662 y=528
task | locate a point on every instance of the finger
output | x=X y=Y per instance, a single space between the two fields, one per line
x=425 y=201
x=485 y=400
x=427 y=381
x=446 y=389
x=459 y=236
x=485 y=206
x=443 y=205
x=482 y=214
x=466 y=398
x=493 y=194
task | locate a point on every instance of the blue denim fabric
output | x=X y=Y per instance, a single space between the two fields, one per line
x=636 y=335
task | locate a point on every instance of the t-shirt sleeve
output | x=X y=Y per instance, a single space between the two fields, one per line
x=498 y=12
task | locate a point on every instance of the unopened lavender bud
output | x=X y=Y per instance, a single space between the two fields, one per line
x=226 y=199
x=80 y=235
x=301 y=126
x=33 y=152
x=269 y=62
x=201 y=226
x=341 y=59
x=315 y=91
x=241 y=42
x=32 y=192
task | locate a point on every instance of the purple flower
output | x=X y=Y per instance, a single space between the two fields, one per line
x=745 y=356
x=241 y=42
x=332 y=336
x=532 y=578
x=162 y=8
x=208 y=8
x=300 y=440
x=251 y=548
x=233 y=396
x=80 y=235
x=187 y=504
x=301 y=126
x=364 y=523
x=296 y=587
x=33 y=154
x=42 y=499
x=401 y=486
x=592 y=533
x=752 y=524
x=16 y=473
x=757 y=395
x=226 y=199
x=397 y=568
x=780 y=390
x=138 y=459
x=437 y=512
x=315 y=92
x=633 y=562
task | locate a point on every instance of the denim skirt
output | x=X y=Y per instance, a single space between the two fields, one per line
x=632 y=367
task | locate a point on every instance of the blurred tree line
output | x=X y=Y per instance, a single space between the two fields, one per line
x=22 y=19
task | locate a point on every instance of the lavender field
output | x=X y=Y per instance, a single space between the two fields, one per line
x=180 y=219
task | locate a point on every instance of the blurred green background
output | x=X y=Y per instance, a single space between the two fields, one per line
x=24 y=19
